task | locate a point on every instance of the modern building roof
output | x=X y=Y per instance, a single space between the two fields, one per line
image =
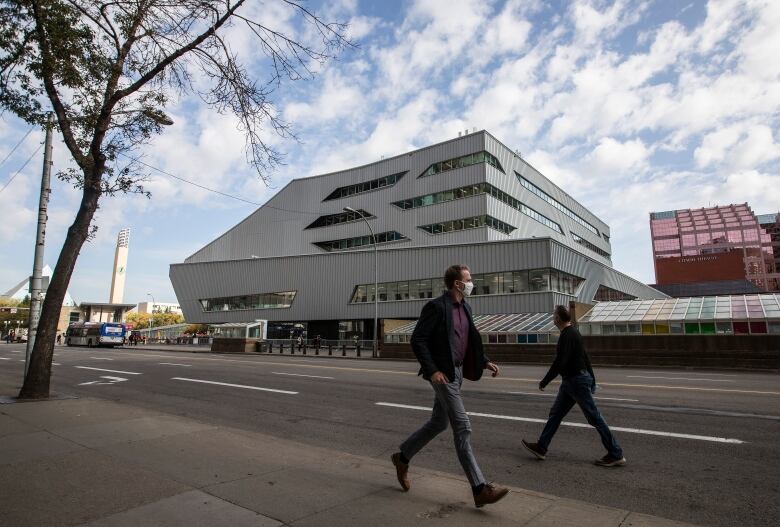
x=521 y=323
x=710 y=308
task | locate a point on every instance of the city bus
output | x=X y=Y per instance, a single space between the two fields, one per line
x=93 y=334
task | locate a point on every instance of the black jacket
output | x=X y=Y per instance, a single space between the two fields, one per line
x=570 y=357
x=432 y=342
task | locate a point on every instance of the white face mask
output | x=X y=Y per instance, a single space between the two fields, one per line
x=468 y=287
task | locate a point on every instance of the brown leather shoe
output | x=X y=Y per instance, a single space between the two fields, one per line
x=490 y=494
x=401 y=471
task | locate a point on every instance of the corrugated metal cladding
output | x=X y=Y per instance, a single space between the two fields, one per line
x=325 y=282
x=279 y=227
x=272 y=250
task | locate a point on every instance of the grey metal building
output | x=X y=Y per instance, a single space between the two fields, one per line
x=301 y=259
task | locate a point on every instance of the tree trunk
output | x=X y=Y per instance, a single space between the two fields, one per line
x=36 y=382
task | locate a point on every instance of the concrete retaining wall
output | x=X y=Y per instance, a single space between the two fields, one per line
x=760 y=352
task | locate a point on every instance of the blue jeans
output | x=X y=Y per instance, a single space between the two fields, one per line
x=576 y=389
x=448 y=408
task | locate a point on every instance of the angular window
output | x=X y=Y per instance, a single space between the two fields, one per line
x=468 y=223
x=557 y=204
x=607 y=294
x=506 y=282
x=366 y=186
x=460 y=162
x=341 y=217
x=593 y=247
x=244 y=302
x=360 y=241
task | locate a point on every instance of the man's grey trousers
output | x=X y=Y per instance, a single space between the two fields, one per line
x=448 y=408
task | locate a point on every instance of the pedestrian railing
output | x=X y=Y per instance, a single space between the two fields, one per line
x=338 y=348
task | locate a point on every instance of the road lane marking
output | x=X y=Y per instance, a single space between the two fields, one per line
x=56 y=364
x=234 y=385
x=711 y=374
x=519 y=379
x=4 y=358
x=300 y=375
x=14 y=351
x=113 y=380
x=174 y=364
x=109 y=371
x=555 y=395
x=677 y=378
x=101 y=358
x=582 y=425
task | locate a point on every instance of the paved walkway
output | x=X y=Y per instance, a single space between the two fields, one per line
x=101 y=463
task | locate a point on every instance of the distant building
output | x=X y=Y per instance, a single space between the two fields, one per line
x=117 y=293
x=158 y=307
x=713 y=251
x=771 y=224
x=104 y=312
x=69 y=311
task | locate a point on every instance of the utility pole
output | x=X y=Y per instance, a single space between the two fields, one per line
x=36 y=280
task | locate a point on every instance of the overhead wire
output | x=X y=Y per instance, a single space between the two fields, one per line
x=15 y=147
x=22 y=168
x=184 y=180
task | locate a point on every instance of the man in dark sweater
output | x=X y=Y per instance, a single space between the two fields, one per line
x=572 y=363
x=449 y=349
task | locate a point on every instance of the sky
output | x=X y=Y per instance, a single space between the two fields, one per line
x=629 y=106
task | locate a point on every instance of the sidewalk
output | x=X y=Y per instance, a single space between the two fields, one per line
x=100 y=463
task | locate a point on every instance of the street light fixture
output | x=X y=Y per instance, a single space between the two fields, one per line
x=151 y=312
x=375 y=352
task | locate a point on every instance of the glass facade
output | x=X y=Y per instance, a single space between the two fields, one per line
x=366 y=186
x=585 y=243
x=341 y=217
x=713 y=315
x=467 y=223
x=502 y=283
x=243 y=302
x=475 y=190
x=460 y=162
x=558 y=205
x=713 y=231
x=360 y=241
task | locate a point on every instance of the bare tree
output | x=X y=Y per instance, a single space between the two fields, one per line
x=108 y=70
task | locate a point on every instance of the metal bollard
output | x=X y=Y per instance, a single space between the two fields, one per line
x=330 y=349
x=316 y=350
x=292 y=349
x=304 y=349
x=343 y=350
x=357 y=348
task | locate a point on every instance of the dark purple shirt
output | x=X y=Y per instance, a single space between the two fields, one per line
x=460 y=328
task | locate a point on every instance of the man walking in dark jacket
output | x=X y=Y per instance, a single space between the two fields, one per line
x=449 y=348
x=572 y=363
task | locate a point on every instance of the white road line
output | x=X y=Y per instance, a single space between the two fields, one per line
x=301 y=375
x=14 y=351
x=583 y=425
x=56 y=364
x=4 y=358
x=234 y=385
x=710 y=374
x=554 y=395
x=109 y=371
x=21 y=360
x=677 y=378
x=174 y=364
x=101 y=358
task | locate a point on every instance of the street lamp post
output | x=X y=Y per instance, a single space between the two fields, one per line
x=375 y=352
x=151 y=312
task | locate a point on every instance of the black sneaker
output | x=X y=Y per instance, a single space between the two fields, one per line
x=535 y=449
x=609 y=461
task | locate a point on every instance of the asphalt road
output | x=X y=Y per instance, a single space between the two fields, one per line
x=701 y=446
